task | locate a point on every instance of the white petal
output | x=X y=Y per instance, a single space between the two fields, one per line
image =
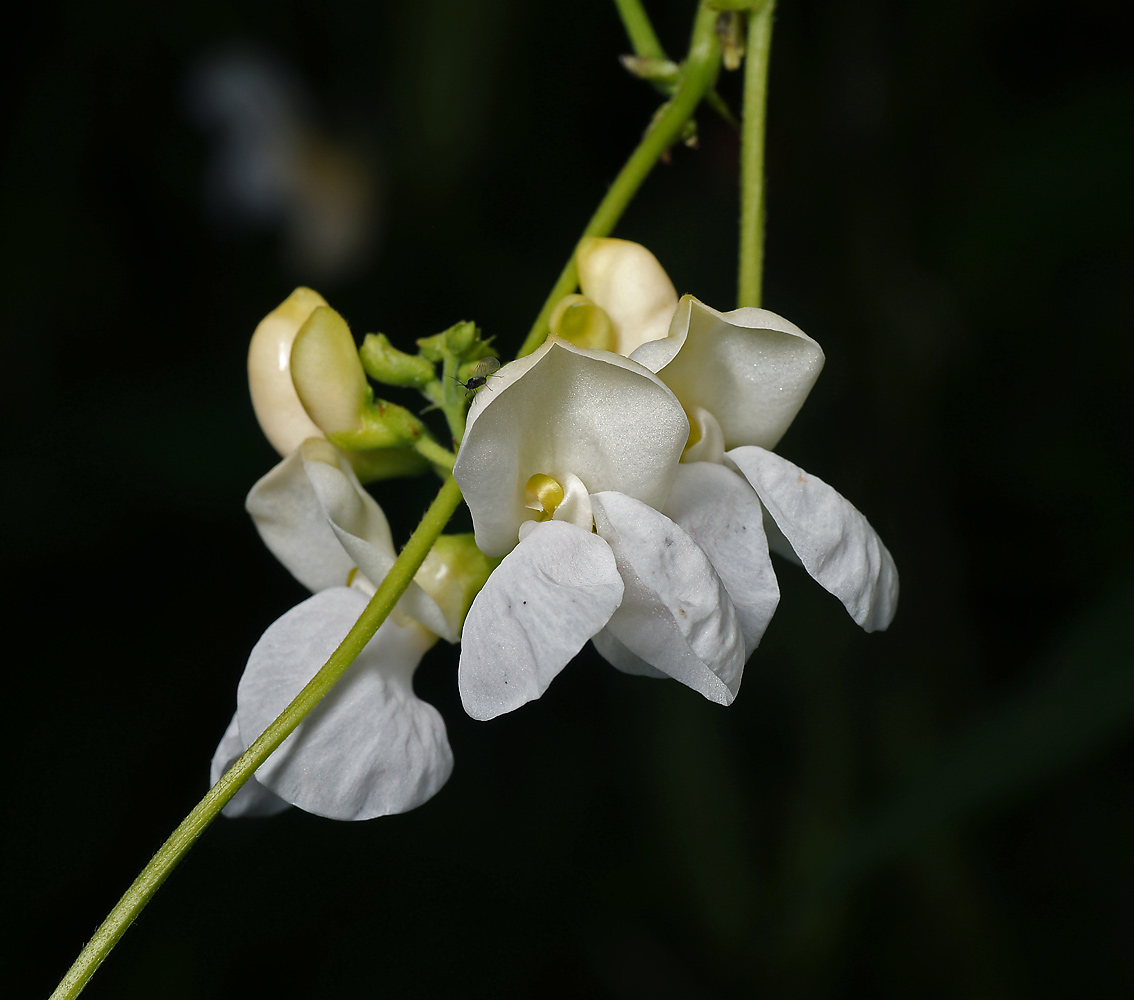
x=551 y=593
x=676 y=614
x=370 y=747
x=706 y=439
x=253 y=799
x=576 y=505
x=750 y=368
x=627 y=281
x=617 y=655
x=294 y=527
x=835 y=543
x=319 y=521
x=723 y=516
x=566 y=411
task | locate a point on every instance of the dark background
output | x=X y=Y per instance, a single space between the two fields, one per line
x=940 y=810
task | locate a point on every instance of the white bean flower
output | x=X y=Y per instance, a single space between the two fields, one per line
x=371 y=747
x=567 y=457
x=741 y=377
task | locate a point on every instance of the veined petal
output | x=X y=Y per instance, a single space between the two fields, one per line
x=627 y=281
x=253 y=799
x=832 y=539
x=724 y=517
x=318 y=520
x=370 y=747
x=750 y=368
x=551 y=593
x=293 y=524
x=565 y=411
x=675 y=614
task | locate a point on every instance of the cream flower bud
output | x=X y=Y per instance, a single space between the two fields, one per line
x=327 y=372
x=332 y=387
x=629 y=284
x=282 y=417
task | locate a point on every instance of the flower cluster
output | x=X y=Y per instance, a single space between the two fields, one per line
x=622 y=476
x=371 y=747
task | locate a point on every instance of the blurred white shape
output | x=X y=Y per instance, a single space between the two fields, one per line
x=273 y=168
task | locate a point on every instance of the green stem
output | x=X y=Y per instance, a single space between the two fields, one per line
x=645 y=43
x=697 y=77
x=183 y=838
x=430 y=449
x=638 y=28
x=751 y=276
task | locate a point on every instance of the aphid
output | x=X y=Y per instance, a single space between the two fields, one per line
x=479 y=375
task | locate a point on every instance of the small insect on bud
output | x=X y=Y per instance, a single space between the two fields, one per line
x=478 y=375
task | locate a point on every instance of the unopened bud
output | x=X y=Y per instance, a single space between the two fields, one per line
x=385 y=363
x=332 y=386
x=627 y=281
x=282 y=417
x=461 y=340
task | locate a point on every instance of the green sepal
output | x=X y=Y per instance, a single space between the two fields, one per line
x=380 y=425
x=385 y=363
x=387 y=463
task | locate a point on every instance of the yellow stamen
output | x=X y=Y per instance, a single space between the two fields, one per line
x=543 y=494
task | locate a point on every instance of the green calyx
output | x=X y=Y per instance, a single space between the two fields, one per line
x=380 y=425
x=462 y=343
x=457 y=350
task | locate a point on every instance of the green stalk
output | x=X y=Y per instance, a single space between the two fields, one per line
x=751 y=277
x=639 y=30
x=697 y=78
x=183 y=838
x=435 y=453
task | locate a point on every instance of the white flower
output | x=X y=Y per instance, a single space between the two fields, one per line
x=567 y=455
x=371 y=747
x=742 y=376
